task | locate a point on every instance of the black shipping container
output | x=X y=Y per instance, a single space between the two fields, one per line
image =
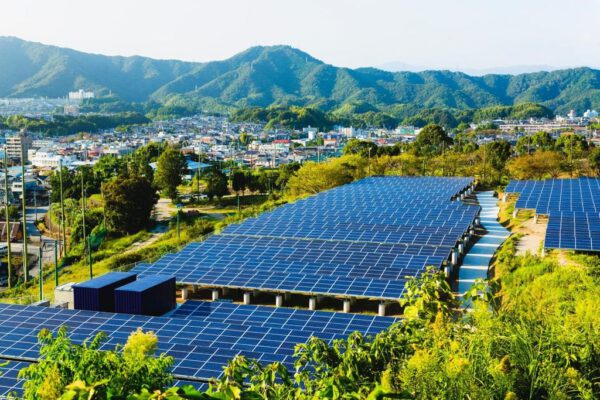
x=154 y=295
x=98 y=294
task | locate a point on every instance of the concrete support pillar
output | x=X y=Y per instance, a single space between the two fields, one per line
x=312 y=303
x=278 y=300
x=543 y=252
x=184 y=293
x=247 y=298
x=471 y=231
x=381 y=309
x=505 y=197
x=346 y=307
x=454 y=257
x=447 y=271
x=515 y=213
x=461 y=248
x=477 y=221
x=215 y=294
x=535 y=218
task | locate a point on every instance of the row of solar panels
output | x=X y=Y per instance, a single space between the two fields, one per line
x=551 y=195
x=355 y=249
x=573 y=206
x=202 y=337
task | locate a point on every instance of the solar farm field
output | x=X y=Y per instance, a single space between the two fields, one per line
x=358 y=241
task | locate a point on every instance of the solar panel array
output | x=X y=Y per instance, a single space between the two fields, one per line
x=289 y=318
x=199 y=337
x=573 y=207
x=358 y=240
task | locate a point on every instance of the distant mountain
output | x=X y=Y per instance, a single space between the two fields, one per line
x=279 y=75
x=398 y=66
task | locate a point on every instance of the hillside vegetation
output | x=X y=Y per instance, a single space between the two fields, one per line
x=280 y=76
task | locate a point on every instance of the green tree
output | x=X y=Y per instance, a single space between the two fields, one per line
x=67 y=368
x=594 y=160
x=364 y=148
x=497 y=154
x=170 y=168
x=286 y=171
x=216 y=183
x=71 y=186
x=109 y=166
x=245 y=138
x=538 y=141
x=572 y=145
x=128 y=203
x=539 y=165
x=432 y=140
x=238 y=181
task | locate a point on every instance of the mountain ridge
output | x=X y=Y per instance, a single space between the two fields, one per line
x=277 y=76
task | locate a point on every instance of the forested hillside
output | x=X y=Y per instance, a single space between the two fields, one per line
x=282 y=76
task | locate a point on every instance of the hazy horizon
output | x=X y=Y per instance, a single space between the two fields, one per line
x=469 y=36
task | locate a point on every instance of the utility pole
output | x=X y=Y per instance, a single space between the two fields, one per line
x=483 y=174
x=35 y=205
x=369 y=160
x=55 y=263
x=62 y=209
x=571 y=154
x=41 y=271
x=85 y=242
x=25 y=270
x=8 y=227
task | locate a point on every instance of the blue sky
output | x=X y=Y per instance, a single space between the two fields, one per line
x=451 y=34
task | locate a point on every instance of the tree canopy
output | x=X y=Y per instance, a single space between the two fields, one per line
x=128 y=203
x=170 y=168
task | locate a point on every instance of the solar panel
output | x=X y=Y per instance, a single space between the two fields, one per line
x=201 y=348
x=359 y=240
x=10 y=384
x=315 y=321
x=573 y=231
x=573 y=206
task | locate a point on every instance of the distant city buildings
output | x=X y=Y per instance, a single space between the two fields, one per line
x=81 y=95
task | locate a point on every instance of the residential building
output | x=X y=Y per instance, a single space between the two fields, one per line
x=14 y=143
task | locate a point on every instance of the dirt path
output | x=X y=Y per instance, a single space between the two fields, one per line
x=156 y=232
x=533 y=236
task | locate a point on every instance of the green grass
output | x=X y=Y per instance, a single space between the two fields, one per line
x=112 y=255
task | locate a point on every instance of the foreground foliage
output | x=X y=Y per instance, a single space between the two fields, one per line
x=67 y=370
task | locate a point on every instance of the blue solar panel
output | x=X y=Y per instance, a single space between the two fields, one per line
x=573 y=231
x=10 y=384
x=200 y=347
x=359 y=240
x=573 y=206
x=288 y=318
x=573 y=195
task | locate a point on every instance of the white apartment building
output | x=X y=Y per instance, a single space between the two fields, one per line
x=46 y=158
x=81 y=95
